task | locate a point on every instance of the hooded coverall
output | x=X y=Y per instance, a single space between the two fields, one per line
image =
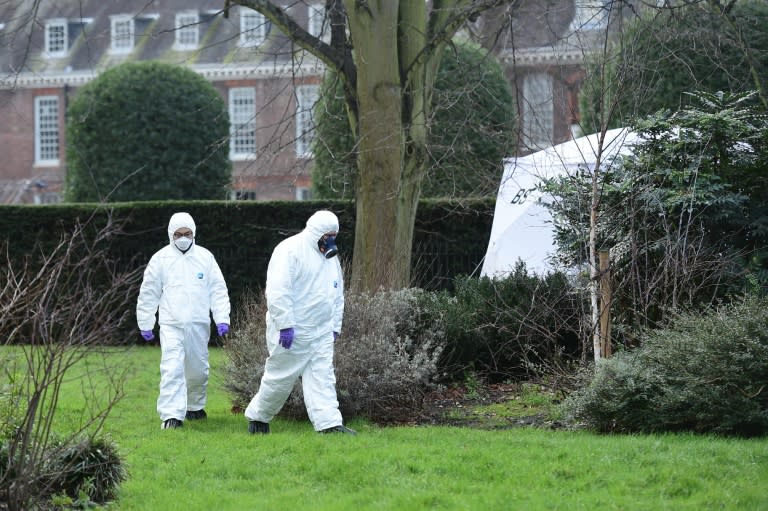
x=305 y=291
x=186 y=287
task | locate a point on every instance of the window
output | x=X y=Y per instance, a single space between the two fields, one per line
x=56 y=42
x=187 y=33
x=122 y=34
x=47 y=130
x=303 y=193
x=242 y=127
x=46 y=198
x=243 y=195
x=317 y=25
x=306 y=97
x=590 y=15
x=538 y=110
x=253 y=27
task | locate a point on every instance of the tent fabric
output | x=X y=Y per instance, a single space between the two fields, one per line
x=522 y=226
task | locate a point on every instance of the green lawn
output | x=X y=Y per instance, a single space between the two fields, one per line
x=216 y=465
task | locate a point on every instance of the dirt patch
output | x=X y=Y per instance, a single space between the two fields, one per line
x=498 y=406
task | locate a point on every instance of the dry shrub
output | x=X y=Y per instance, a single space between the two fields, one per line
x=58 y=306
x=385 y=359
x=246 y=350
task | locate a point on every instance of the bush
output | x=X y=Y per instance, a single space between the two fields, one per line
x=518 y=327
x=385 y=359
x=89 y=466
x=693 y=46
x=85 y=470
x=58 y=310
x=147 y=131
x=705 y=374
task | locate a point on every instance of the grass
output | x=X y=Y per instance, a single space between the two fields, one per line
x=216 y=465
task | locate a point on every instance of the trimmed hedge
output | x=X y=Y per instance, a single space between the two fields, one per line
x=450 y=237
x=147 y=131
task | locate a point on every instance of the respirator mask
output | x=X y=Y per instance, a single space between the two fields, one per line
x=327 y=245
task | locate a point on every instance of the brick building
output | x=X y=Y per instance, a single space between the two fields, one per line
x=268 y=83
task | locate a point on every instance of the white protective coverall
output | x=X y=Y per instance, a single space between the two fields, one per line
x=305 y=291
x=186 y=287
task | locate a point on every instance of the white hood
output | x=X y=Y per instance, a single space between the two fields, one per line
x=179 y=220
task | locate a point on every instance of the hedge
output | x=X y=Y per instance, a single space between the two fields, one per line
x=450 y=237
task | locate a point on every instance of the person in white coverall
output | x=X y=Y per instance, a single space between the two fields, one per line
x=184 y=282
x=305 y=306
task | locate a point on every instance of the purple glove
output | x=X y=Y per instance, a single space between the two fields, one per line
x=223 y=329
x=286 y=338
x=335 y=335
x=147 y=335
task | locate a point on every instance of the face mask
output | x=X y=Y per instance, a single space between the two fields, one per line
x=183 y=243
x=327 y=246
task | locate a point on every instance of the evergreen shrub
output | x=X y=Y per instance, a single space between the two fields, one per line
x=518 y=327
x=87 y=470
x=147 y=131
x=90 y=466
x=703 y=373
x=662 y=55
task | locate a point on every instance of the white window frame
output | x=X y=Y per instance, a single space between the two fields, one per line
x=187 y=30
x=242 y=123
x=46 y=198
x=306 y=97
x=317 y=22
x=122 y=41
x=253 y=27
x=47 y=131
x=589 y=15
x=538 y=110
x=303 y=193
x=56 y=46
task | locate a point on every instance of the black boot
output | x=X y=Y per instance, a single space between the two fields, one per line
x=172 y=424
x=258 y=427
x=339 y=429
x=196 y=414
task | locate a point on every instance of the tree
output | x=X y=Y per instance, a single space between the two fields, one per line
x=702 y=45
x=649 y=64
x=471 y=131
x=387 y=54
x=684 y=214
x=144 y=131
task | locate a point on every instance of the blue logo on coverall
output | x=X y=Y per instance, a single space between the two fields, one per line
x=200 y=275
x=335 y=284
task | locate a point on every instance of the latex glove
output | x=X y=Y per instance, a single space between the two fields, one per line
x=286 y=338
x=223 y=329
x=335 y=335
x=147 y=335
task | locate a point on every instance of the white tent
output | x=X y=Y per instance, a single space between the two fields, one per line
x=522 y=225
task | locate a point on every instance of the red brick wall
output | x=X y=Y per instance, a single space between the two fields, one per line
x=17 y=140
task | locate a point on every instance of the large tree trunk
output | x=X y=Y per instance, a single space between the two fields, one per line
x=374 y=34
x=396 y=48
x=391 y=101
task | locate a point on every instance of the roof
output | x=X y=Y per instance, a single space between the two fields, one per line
x=89 y=31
